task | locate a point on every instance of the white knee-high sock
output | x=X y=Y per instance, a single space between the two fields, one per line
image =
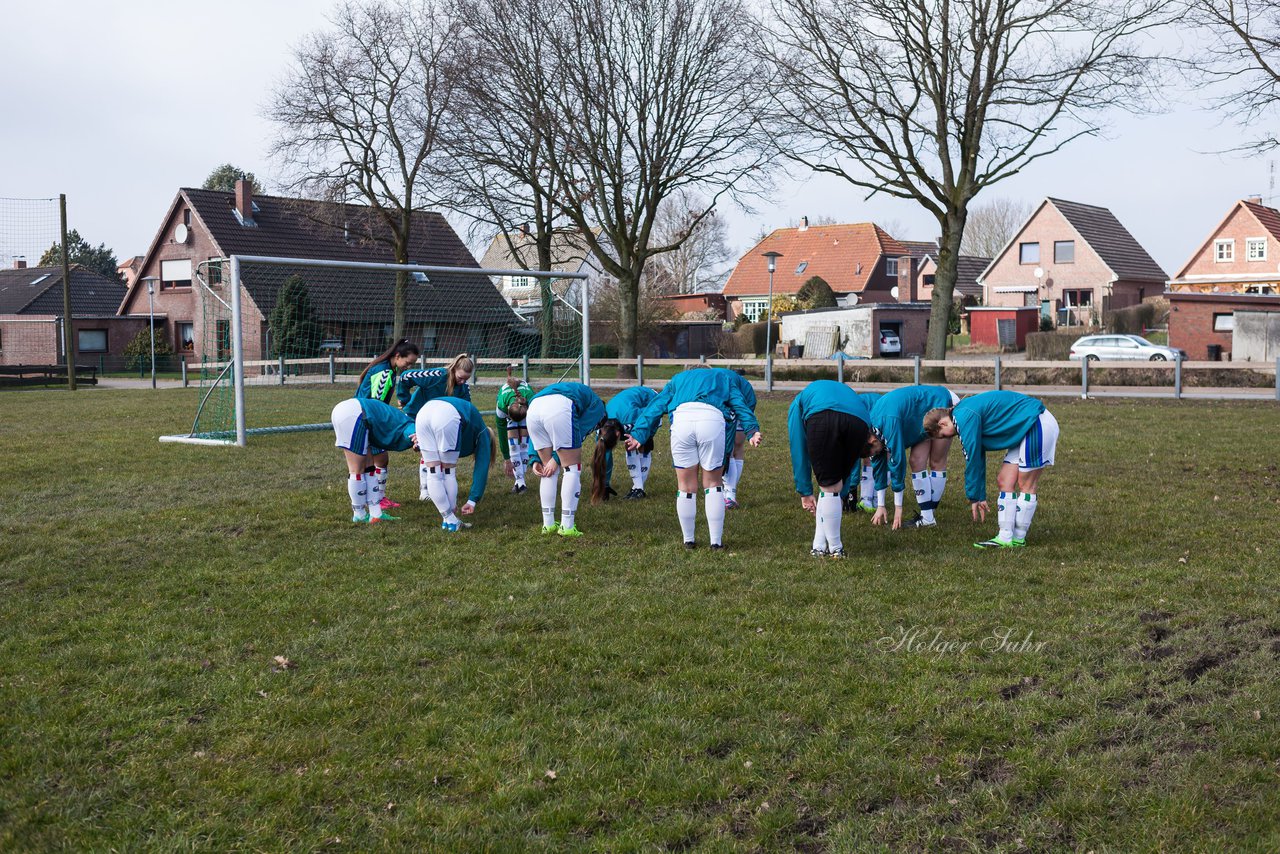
x=516 y=447
x=646 y=461
x=1006 y=510
x=927 y=506
x=868 y=485
x=732 y=474
x=381 y=474
x=570 y=488
x=920 y=485
x=424 y=481
x=356 y=489
x=451 y=490
x=687 y=513
x=713 y=503
x=819 y=532
x=436 y=489
x=547 y=492
x=830 y=509
x=373 y=494
x=633 y=469
x=937 y=486
x=1025 y=510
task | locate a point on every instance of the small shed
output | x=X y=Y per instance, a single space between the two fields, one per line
x=856 y=330
x=1005 y=327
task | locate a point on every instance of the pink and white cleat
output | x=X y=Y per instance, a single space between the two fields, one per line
x=387 y=504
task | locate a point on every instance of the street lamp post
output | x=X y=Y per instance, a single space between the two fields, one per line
x=768 y=320
x=151 y=323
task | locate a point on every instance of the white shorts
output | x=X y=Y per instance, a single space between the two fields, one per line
x=437 y=425
x=1037 y=448
x=697 y=436
x=550 y=422
x=349 y=427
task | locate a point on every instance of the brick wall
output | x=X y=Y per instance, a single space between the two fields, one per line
x=1191 y=320
x=1239 y=226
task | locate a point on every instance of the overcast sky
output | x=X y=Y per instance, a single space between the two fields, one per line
x=117 y=104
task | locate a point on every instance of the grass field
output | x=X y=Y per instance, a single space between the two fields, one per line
x=502 y=690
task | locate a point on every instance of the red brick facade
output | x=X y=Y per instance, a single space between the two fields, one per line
x=1192 y=319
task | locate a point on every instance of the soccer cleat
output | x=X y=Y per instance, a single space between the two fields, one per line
x=730 y=503
x=1018 y=544
x=996 y=543
x=387 y=504
x=716 y=547
x=451 y=527
x=865 y=507
x=690 y=545
x=551 y=529
x=570 y=532
x=837 y=554
x=385 y=517
x=919 y=522
x=634 y=494
x=360 y=518
x=817 y=552
x=423 y=495
x=609 y=492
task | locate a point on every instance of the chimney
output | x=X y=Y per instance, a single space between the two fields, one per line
x=524 y=228
x=804 y=223
x=19 y=263
x=1257 y=200
x=244 y=201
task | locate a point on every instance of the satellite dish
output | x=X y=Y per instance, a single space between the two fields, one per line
x=893 y=291
x=1038 y=272
x=180 y=234
x=853 y=299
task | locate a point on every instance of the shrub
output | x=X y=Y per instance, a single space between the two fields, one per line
x=815 y=293
x=1137 y=319
x=758 y=335
x=138 y=351
x=1050 y=346
x=604 y=351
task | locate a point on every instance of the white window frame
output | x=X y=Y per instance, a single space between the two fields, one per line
x=1224 y=322
x=1252 y=243
x=1224 y=251
x=754 y=309
x=891 y=267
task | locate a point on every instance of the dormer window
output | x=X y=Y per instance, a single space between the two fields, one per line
x=1255 y=249
x=891 y=267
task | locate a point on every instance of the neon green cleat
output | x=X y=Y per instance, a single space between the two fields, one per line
x=385 y=517
x=1018 y=544
x=551 y=529
x=362 y=519
x=570 y=532
x=995 y=544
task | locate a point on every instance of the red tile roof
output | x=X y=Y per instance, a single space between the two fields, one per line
x=844 y=255
x=1269 y=217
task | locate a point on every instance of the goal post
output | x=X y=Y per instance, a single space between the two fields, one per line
x=276 y=321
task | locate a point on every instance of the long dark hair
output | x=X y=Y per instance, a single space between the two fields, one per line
x=609 y=436
x=403 y=347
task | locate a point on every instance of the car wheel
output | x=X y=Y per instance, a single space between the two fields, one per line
x=1091 y=358
x=1159 y=357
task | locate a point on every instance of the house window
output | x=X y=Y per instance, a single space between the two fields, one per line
x=1030 y=298
x=429 y=339
x=1224 y=250
x=1064 y=251
x=175 y=274
x=1255 y=249
x=1028 y=253
x=187 y=337
x=1077 y=299
x=1259 y=289
x=91 y=340
x=1224 y=322
x=519 y=282
x=754 y=309
x=891 y=267
x=928 y=280
x=186 y=216
x=801 y=267
x=223 y=332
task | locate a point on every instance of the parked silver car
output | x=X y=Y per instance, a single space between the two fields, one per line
x=1114 y=348
x=890 y=343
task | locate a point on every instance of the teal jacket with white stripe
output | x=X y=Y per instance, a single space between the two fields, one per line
x=991 y=421
x=819 y=396
x=473 y=438
x=389 y=428
x=588 y=408
x=899 y=416
x=416 y=386
x=701 y=385
x=625 y=406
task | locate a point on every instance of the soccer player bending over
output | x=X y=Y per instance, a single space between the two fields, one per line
x=449 y=428
x=737 y=459
x=996 y=421
x=560 y=417
x=360 y=425
x=828 y=430
x=704 y=408
x=377 y=383
x=513 y=433
x=621 y=413
x=899 y=418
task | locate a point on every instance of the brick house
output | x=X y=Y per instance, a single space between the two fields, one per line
x=202 y=228
x=31 y=312
x=1075 y=262
x=1236 y=268
x=968 y=269
x=860 y=262
x=569 y=254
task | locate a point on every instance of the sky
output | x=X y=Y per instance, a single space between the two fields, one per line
x=136 y=98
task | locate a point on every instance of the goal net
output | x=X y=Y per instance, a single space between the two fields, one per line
x=264 y=325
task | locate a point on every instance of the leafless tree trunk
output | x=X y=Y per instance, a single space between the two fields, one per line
x=992 y=225
x=1240 y=57
x=935 y=100
x=653 y=97
x=361 y=112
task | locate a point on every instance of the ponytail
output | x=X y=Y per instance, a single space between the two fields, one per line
x=609 y=436
x=460 y=360
x=403 y=347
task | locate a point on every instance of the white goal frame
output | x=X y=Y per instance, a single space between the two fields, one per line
x=237 y=329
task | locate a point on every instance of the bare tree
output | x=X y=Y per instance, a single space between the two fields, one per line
x=992 y=224
x=653 y=97
x=935 y=100
x=1242 y=55
x=702 y=248
x=360 y=115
